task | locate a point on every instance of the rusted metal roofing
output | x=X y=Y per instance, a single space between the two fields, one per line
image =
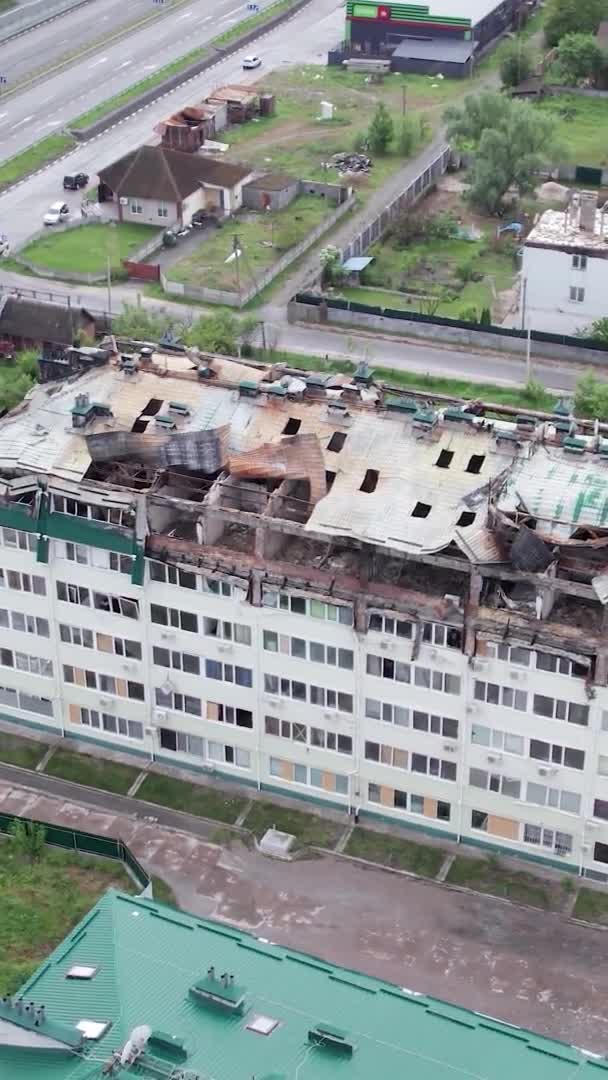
x=295 y=458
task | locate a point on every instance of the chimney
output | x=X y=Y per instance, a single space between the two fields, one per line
x=588 y=211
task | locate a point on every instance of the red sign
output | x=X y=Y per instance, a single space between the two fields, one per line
x=384 y=12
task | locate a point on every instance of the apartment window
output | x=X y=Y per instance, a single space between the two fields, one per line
x=115 y=515
x=579 y=262
x=227 y=631
x=77 y=553
x=231 y=755
x=14 y=579
x=179 y=661
x=389 y=714
x=497 y=739
x=118 y=605
x=19 y=699
x=180 y=742
x=27 y=624
x=541 y=795
x=304 y=605
x=555 y=709
x=433 y=808
x=136 y=208
x=559 y=842
x=435 y=725
x=600 y=809
x=558 y=755
x=34 y=665
x=479 y=820
x=172 y=575
x=387 y=624
x=331 y=699
x=386 y=668
x=75 y=635
x=216 y=669
x=331 y=740
x=182 y=620
x=493 y=694
x=216 y=587
x=577 y=294
x=432 y=766
x=170 y=699
x=162 y=211
x=115 y=725
x=123 y=564
x=228 y=714
x=449 y=637
x=308 y=650
x=502 y=785
x=602 y=765
x=383 y=667
x=284 y=729
x=73 y=594
x=18 y=540
x=386 y=755
x=120 y=646
x=562 y=665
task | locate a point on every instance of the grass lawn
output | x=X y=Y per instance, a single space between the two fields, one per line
x=263 y=238
x=307 y=828
x=427 y=268
x=41 y=902
x=489 y=876
x=182 y=62
x=582 y=127
x=86 y=249
x=393 y=851
x=92 y=771
x=591 y=905
x=28 y=161
x=24 y=752
x=191 y=798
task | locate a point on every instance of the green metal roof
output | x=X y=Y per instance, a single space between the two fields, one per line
x=148 y=956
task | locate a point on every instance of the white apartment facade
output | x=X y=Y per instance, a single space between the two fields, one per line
x=507 y=748
x=564 y=283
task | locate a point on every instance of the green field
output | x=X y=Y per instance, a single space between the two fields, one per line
x=262 y=238
x=191 y=798
x=40 y=902
x=93 y=771
x=28 y=161
x=582 y=127
x=86 y=249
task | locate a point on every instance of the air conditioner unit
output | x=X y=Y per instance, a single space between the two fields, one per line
x=123 y=201
x=106 y=702
x=387 y=645
x=225 y=648
x=494 y=758
x=450 y=748
x=160 y=715
x=149 y=730
x=543 y=770
x=471 y=709
x=128 y=667
x=167 y=637
x=330 y=715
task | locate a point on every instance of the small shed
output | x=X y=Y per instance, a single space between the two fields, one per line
x=271 y=191
x=354 y=267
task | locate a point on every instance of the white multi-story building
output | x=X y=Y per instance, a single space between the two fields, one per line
x=320 y=590
x=564 y=281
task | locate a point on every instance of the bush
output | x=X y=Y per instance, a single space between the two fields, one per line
x=468 y=314
x=485 y=319
x=442 y=226
x=29 y=838
x=466 y=272
x=516 y=63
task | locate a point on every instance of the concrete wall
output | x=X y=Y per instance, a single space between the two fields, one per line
x=550 y=276
x=32 y=14
x=147 y=212
x=256 y=198
x=474 y=339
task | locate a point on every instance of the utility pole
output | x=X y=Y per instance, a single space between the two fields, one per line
x=235 y=249
x=528 y=356
x=109 y=283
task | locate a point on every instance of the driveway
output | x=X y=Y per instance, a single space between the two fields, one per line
x=527 y=967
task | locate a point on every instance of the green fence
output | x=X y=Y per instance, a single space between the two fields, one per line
x=86 y=843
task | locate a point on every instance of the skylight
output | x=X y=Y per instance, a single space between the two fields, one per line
x=262 y=1025
x=81 y=971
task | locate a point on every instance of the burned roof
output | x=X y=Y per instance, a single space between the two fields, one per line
x=156 y=172
x=37 y=321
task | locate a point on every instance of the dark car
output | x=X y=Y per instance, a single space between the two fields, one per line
x=74 y=181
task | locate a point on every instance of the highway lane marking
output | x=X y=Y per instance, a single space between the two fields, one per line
x=20 y=122
x=186 y=15
x=234 y=11
x=126 y=63
x=103 y=60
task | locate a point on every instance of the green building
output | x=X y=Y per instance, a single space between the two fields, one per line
x=219 y=1004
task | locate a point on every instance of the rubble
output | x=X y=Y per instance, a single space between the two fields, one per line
x=351 y=163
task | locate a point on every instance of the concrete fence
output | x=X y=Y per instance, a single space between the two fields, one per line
x=24 y=18
x=239 y=299
x=77 y=276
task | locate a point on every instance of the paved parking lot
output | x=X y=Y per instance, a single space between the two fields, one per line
x=527 y=967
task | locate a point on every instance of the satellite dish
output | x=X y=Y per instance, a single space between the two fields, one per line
x=135 y=1044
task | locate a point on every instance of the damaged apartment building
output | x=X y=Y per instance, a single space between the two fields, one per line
x=318 y=587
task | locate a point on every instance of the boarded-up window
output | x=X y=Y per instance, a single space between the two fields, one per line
x=387 y=796
x=430 y=808
x=213 y=710
x=79 y=677
x=329 y=781
x=74 y=712
x=286 y=770
x=505 y=827
x=104 y=643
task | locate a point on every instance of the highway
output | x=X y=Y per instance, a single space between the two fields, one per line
x=302 y=39
x=48 y=106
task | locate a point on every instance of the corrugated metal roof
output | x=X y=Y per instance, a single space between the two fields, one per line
x=562 y=494
x=149 y=955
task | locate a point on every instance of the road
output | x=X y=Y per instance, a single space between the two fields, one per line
x=50 y=105
x=301 y=39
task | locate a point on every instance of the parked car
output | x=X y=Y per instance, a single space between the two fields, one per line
x=202 y=217
x=74 y=181
x=250 y=62
x=56 y=213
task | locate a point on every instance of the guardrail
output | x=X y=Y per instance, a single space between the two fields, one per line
x=85 y=843
x=25 y=18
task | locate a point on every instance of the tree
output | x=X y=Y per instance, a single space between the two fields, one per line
x=381 y=131
x=331 y=265
x=217 y=333
x=29 y=838
x=17 y=377
x=579 y=57
x=516 y=62
x=143 y=325
x=591 y=397
x=573 y=16
x=598 y=330
x=409 y=134
x=510 y=142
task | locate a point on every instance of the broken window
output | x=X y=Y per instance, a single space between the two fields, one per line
x=421 y=510
x=336 y=442
x=466 y=518
x=292 y=426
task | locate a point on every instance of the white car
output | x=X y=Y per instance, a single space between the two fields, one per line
x=250 y=62
x=56 y=213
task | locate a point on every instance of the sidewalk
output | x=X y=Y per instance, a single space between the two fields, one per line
x=486 y=955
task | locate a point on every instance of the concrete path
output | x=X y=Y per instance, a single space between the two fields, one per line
x=528 y=967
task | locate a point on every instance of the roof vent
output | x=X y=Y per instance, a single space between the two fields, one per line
x=248 y=388
x=179 y=408
x=220 y=991
x=333 y=1038
x=128 y=364
x=167 y=1046
x=84 y=410
x=166 y=423
x=398 y=403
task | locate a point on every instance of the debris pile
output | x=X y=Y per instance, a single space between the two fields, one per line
x=351 y=163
